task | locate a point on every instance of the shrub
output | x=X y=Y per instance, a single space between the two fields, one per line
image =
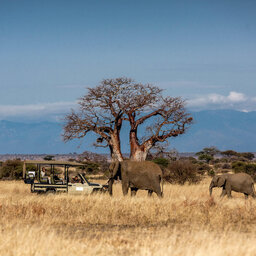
x=249 y=168
x=226 y=166
x=216 y=161
x=181 y=171
x=11 y=169
x=247 y=155
x=202 y=168
x=193 y=160
x=238 y=166
x=224 y=160
x=92 y=168
x=163 y=162
x=218 y=166
x=211 y=172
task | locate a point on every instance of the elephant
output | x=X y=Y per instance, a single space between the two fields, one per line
x=137 y=175
x=238 y=182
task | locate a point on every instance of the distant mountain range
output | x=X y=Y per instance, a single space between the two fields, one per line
x=225 y=129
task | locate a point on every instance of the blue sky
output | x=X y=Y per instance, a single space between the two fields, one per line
x=50 y=51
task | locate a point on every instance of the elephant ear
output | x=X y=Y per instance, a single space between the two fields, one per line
x=221 y=181
x=114 y=167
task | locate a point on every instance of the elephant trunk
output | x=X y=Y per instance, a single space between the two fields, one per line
x=210 y=188
x=110 y=186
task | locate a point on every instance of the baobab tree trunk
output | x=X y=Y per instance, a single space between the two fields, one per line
x=138 y=152
x=139 y=155
x=115 y=149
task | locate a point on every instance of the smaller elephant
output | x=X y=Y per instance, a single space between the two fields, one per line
x=238 y=182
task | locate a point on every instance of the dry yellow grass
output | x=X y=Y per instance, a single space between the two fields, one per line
x=185 y=222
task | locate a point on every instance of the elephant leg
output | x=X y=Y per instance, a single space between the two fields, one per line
x=125 y=188
x=252 y=192
x=223 y=193
x=158 y=191
x=228 y=189
x=150 y=193
x=133 y=191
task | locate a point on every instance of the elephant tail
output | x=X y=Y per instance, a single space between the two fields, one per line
x=162 y=185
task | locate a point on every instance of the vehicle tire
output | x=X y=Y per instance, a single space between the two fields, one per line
x=50 y=191
x=95 y=190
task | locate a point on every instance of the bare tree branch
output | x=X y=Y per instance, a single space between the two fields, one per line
x=104 y=108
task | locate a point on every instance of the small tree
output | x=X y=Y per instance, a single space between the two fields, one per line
x=247 y=155
x=212 y=151
x=229 y=153
x=205 y=157
x=207 y=154
x=49 y=158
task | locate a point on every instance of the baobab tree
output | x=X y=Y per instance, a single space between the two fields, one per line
x=104 y=109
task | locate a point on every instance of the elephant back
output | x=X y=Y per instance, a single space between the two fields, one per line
x=141 y=167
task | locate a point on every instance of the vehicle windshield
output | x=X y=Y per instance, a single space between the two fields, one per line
x=82 y=175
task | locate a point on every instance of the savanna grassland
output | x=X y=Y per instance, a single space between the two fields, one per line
x=185 y=222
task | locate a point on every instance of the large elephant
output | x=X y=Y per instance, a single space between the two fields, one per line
x=137 y=175
x=238 y=182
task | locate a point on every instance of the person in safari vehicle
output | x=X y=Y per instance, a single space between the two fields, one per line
x=76 y=180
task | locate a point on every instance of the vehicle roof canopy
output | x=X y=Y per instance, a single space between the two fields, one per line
x=44 y=162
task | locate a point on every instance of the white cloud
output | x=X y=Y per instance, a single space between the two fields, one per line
x=216 y=98
x=36 y=109
x=236 y=97
x=234 y=100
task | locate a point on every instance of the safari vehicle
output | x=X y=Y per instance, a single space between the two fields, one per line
x=50 y=181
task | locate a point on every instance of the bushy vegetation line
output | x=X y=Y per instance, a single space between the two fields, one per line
x=176 y=169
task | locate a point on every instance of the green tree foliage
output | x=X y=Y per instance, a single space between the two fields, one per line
x=229 y=153
x=207 y=154
x=162 y=162
x=49 y=158
x=205 y=157
x=212 y=151
x=247 y=155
